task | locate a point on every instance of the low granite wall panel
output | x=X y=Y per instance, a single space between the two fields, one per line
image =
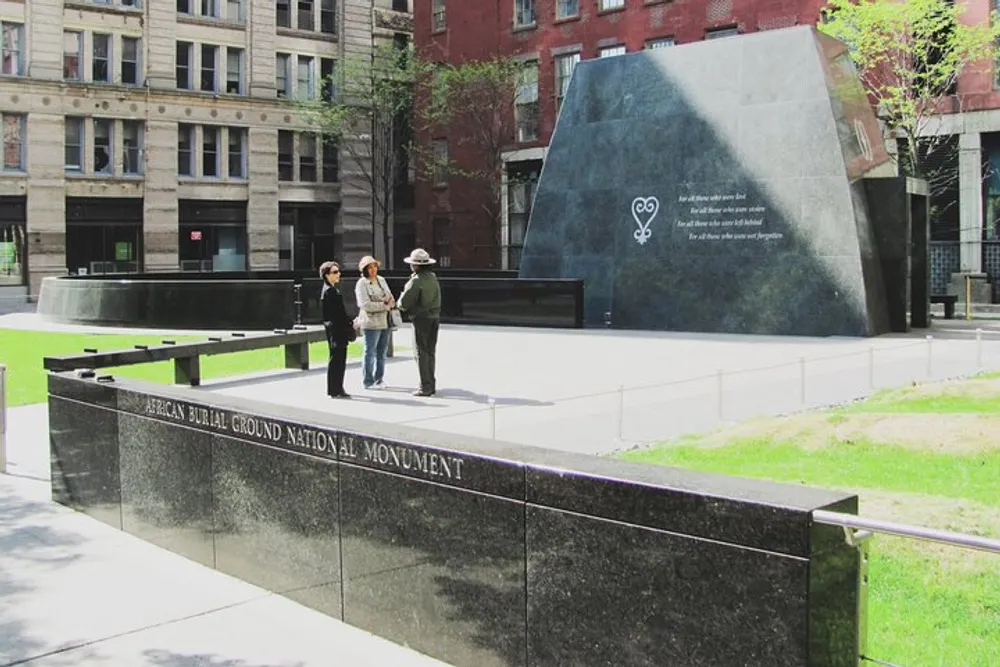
x=277 y=522
x=606 y=593
x=433 y=567
x=83 y=453
x=166 y=474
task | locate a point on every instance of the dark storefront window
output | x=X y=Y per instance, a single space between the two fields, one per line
x=13 y=255
x=103 y=235
x=308 y=232
x=213 y=236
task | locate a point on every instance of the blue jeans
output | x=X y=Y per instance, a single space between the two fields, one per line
x=376 y=346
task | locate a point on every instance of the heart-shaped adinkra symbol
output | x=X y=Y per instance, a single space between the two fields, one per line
x=644 y=209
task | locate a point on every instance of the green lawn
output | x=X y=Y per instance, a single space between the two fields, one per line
x=23 y=351
x=924 y=610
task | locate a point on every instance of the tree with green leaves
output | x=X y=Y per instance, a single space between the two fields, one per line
x=482 y=103
x=367 y=110
x=909 y=55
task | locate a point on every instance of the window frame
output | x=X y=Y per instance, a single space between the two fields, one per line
x=283 y=73
x=188 y=67
x=519 y=120
x=328 y=12
x=521 y=9
x=310 y=93
x=563 y=85
x=138 y=149
x=240 y=71
x=610 y=5
x=242 y=134
x=81 y=146
x=17 y=53
x=439 y=155
x=439 y=17
x=137 y=63
x=110 y=124
x=290 y=162
x=203 y=70
x=299 y=14
x=612 y=51
x=108 y=60
x=21 y=123
x=186 y=130
x=659 y=43
x=561 y=14
x=79 y=34
x=216 y=132
x=310 y=162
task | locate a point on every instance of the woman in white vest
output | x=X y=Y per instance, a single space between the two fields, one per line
x=375 y=303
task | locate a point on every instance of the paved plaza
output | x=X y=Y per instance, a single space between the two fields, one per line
x=563 y=389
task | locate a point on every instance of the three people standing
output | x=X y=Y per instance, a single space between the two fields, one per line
x=377 y=315
x=375 y=304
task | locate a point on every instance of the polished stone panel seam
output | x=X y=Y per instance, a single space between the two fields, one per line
x=687 y=536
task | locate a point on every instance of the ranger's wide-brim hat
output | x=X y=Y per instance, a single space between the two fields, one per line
x=367 y=261
x=419 y=256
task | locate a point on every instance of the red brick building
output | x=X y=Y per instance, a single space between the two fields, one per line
x=552 y=35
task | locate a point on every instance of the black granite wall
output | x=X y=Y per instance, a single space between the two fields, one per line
x=475 y=552
x=711 y=187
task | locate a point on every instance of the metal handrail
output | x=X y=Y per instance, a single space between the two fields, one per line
x=904 y=530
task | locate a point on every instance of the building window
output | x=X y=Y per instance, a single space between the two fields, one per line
x=524 y=12
x=526 y=107
x=210 y=151
x=184 y=6
x=437 y=16
x=441 y=229
x=282 y=81
x=306 y=20
x=307 y=158
x=519 y=197
x=286 y=155
x=718 y=33
x=305 y=87
x=661 y=43
x=103 y=163
x=611 y=4
x=283 y=14
x=185 y=51
x=12 y=48
x=185 y=150
x=132 y=136
x=610 y=51
x=234 y=11
x=210 y=8
x=331 y=160
x=565 y=65
x=102 y=57
x=567 y=8
x=74 y=144
x=13 y=142
x=327 y=82
x=328 y=17
x=130 y=61
x=72 y=55
x=134 y=4
x=440 y=157
x=209 y=55
x=234 y=71
x=237 y=152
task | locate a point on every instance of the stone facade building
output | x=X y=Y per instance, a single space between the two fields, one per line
x=156 y=135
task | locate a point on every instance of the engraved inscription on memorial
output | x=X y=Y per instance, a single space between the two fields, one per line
x=307 y=439
x=723 y=217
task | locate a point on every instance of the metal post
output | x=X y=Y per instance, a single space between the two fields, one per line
x=298 y=304
x=718 y=389
x=493 y=419
x=968 y=297
x=871 y=367
x=802 y=380
x=979 y=349
x=3 y=419
x=621 y=412
x=930 y=356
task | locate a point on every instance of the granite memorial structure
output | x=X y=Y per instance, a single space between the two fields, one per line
x=717 y=186
x=476 y=552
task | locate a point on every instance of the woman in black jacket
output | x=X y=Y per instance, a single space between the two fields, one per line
x=339 y=329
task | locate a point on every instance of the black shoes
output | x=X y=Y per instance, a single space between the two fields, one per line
x=342 y=394
x=424 y=392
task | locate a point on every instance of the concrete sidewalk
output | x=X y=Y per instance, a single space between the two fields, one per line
x=75 y=592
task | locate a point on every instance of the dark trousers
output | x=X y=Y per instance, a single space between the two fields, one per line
x=337 y=365
x=425 y=337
